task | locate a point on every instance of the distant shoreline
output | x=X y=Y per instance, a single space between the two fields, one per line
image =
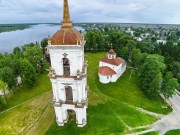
x=13 y=27
x=90 y=23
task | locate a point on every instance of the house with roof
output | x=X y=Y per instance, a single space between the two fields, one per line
x=111 y=67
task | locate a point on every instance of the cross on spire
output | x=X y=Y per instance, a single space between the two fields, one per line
x=66 y=23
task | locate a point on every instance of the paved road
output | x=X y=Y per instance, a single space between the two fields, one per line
x=171 y=121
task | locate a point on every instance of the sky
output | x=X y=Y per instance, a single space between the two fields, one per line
x=117 y=11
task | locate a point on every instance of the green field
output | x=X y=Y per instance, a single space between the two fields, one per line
x=23 y=94
x=112 y=107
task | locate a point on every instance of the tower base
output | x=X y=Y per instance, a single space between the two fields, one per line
x=62 y=114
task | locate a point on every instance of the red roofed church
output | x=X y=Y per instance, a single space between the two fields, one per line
x=111 y=67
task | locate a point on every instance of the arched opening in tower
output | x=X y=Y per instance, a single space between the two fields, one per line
x=71 y=116
x=66 y=66
x=69 y=94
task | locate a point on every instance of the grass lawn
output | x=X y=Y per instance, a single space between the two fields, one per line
x=31 y=118
x=42 y=85
x=112 y=107
x=173 y=132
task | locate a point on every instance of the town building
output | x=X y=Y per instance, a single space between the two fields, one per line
x=111 y=67
x=138 y=39
x=68 y=72
x=162 y=41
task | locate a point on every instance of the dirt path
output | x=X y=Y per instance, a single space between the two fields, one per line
x=171 y=121
x=151 y=113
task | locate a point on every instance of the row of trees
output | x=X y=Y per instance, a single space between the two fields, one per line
x=158 y=64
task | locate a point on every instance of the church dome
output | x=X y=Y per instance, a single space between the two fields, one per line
x=111 y=51
x=67 y=36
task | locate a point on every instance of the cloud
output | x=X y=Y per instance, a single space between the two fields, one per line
x=125 y=11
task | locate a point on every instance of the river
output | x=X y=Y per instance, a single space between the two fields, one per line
x=9 y=40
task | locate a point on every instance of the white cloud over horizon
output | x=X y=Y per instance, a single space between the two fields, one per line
x=122 y=11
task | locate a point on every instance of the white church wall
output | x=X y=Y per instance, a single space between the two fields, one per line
x=104 y=79
x=64 y=114
x=114 y=78
x=59 y=116
x=84 y=88
x=78 y=89
x=56 y=61
x=107 y=79
x=62 y=82
x=123 y=69
x=55 y=90
x=81 y=117
x=75 y=55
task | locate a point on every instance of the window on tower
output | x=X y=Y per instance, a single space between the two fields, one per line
x=69 y=94
x=66 y=66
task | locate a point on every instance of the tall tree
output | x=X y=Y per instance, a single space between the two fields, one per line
x=36 y=58
x=44 y=44
x=150 y=75
x=27 y=73
x=7 y=76
x=124 y=53
x=169 y=86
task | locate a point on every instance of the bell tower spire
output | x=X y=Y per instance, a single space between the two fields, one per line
x=66 y=23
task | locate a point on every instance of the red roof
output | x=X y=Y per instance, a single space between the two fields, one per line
x=115 y=62
x=106 y=71
x=68 y=36
x=111 y=51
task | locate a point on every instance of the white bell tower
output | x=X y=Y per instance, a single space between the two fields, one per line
x=68 y=74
